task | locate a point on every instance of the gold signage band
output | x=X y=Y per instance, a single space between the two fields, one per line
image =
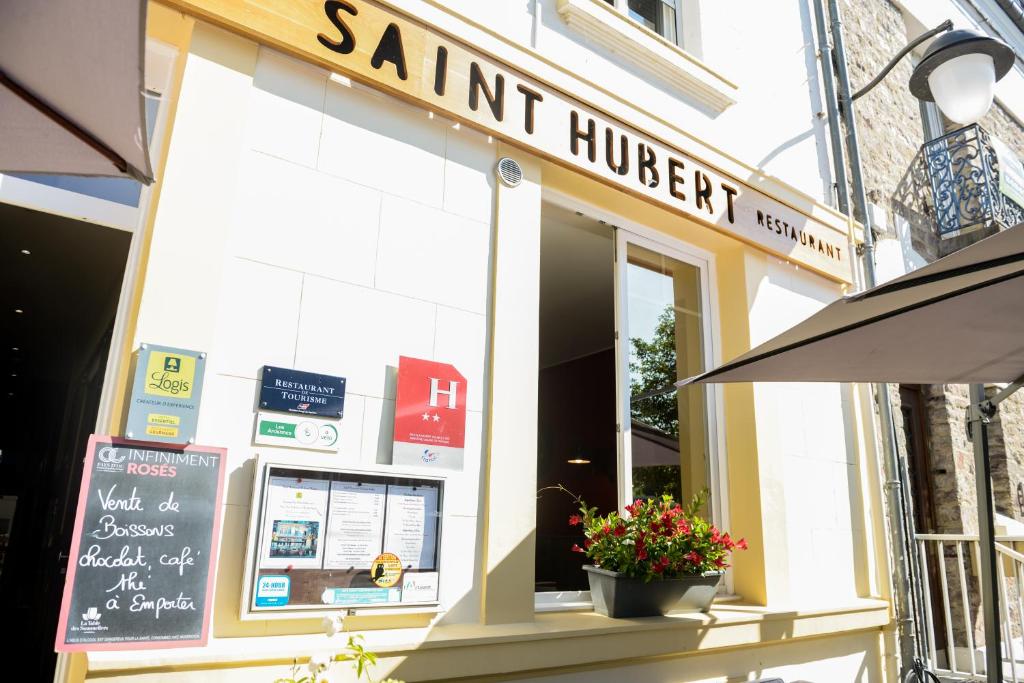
x=374 y=44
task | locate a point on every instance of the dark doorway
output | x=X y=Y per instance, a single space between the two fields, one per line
x=912 y=407
x=919 y=462
x=577 y=442
x=60 y=281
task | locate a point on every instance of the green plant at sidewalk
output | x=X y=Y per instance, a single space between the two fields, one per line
x=319 y=664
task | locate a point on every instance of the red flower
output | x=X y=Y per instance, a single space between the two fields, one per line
x=741 y=544
x=666 y=518
x=574 y=520
x=728 y=542
x=683 y=526
x=693 y=557
x=641 y=553
x=620 y=530
x=716 y=535
x=720 y=563
x=606 y=530
x=587 y=543
x=668 y=531
x=577 y=549
x=657 y=568
x=655 y=527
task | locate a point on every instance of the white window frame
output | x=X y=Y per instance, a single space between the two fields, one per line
x=681 y=38
x=628 y=232
x=678 y=64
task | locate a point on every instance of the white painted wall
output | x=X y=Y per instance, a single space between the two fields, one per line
x=808 y=453
x=849 y=659
x=314 y=223
x=767 y=49
x=311 y=224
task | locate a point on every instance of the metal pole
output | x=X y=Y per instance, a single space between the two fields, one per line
x=978 y=425
x=895 y=482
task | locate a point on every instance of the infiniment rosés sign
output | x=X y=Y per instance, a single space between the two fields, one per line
x=430 y=414
x=143 y=553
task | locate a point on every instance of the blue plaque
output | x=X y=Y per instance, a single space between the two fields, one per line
x=294 y=391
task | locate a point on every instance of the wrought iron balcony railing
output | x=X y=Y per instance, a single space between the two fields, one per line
x=963 y=169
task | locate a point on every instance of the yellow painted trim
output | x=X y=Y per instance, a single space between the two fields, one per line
x=509 y=528
x=469 y=650
x=173 y=28
x=746 y=513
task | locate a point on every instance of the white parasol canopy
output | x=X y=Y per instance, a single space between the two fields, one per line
x=71 y=88
x=959 y=320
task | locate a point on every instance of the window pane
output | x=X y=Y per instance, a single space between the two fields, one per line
x=657 y=15
x=667 y=27
x=577 y=442
x=645 y=11
x=665 y=331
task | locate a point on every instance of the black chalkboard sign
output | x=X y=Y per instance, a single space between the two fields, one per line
x=140 y=573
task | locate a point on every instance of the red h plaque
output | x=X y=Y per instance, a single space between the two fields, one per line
x=430 y=415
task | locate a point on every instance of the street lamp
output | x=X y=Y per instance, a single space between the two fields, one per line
x=959 y=72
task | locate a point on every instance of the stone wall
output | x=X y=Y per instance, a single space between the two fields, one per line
x=891 y=134
x=888 y=118
x=1006 y=452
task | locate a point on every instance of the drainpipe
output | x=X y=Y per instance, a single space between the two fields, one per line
x=895 y=469
x=832 y=110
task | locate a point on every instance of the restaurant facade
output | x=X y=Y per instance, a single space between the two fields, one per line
x=542 y=214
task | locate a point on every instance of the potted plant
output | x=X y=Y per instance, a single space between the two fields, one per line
x=657 y=556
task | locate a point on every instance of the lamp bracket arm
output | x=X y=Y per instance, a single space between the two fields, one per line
x=947 y=25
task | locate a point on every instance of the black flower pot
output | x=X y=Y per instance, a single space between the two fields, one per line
x=619 y=596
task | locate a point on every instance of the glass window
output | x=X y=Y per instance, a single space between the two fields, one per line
x=658 y=15
x=577 y=442
x=665 y=336
x=611 y=425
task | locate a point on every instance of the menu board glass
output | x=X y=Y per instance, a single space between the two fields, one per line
x=330 y=538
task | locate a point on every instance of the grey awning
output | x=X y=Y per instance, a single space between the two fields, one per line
x=959 y=320
x=82 y=62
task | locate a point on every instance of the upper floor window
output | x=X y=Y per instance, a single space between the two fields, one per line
x=661 y=16
x=659 y=37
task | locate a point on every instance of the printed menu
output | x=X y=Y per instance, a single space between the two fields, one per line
x=411 y=529
x=355 y=524
x=293 y=525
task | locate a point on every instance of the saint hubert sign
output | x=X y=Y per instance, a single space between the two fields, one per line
x=375 y=44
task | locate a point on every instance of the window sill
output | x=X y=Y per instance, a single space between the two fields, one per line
x=434 y=652
x=579 y=601
x=649 y=51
